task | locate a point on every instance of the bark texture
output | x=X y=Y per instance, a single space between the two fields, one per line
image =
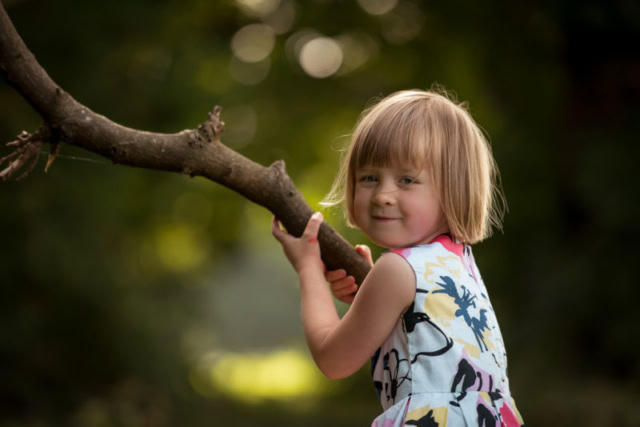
x=196 y=152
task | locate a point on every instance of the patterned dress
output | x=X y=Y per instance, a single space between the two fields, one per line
x=444 y=364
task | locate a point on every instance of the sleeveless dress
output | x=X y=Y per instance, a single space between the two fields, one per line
x=444 y=364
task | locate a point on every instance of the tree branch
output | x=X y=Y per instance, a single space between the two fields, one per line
x=196 y=152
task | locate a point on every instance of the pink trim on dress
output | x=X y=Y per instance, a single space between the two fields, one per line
x=449 y=244
x=509 y=419
x=403 y=252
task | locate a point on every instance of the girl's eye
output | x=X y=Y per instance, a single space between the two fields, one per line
x=406 y=180
x=368 y=178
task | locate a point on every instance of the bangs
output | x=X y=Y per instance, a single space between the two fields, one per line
x=393 y=137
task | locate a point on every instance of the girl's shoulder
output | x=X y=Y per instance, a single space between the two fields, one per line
x=390 y=283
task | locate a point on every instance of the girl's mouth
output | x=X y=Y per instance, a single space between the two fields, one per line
x=384 y=218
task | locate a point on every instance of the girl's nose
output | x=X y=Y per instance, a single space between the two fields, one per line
x=384 y=196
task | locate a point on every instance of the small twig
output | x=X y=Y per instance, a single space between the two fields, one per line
x=27 y=151
x=55 y=148
x=9 y=156
x=36 y=156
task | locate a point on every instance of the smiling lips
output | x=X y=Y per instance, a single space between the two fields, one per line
x=383 y=218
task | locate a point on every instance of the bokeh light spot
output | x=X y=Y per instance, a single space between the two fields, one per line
x=320 y=57
x=178 y=248
x=281 y=374
x=283 y=18
x=358 y=49
x=377 y=7
x=258 y=7
x=253 y=42
x=296 y=42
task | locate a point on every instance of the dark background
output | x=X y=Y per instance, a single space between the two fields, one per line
x=139 y=298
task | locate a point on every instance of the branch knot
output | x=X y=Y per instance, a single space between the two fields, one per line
x=213 y=127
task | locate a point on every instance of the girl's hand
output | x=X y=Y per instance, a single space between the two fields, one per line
x=303 y=252
x=344 y=287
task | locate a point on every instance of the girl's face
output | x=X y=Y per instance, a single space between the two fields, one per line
x=397 y=207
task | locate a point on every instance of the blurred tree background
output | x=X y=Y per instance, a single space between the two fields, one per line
x=140 y=298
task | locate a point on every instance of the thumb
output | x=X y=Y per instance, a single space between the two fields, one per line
x=311 y=231
x=365 y=251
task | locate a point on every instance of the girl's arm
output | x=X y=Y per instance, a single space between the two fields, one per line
x=341 y=346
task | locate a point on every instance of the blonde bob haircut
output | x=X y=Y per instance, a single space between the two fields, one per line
x=427 y=129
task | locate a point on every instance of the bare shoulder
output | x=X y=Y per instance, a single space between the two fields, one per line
x=392 y=279
x=384 y=296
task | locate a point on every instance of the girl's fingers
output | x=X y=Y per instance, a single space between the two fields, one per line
x=278 y=232
x=365 y=251
x=311 y=231
x=347 y=291
x=344 y=283
x=334 y=275
x=340 y=285
x=275 y=229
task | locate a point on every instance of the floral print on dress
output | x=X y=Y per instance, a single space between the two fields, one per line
x=444 y=364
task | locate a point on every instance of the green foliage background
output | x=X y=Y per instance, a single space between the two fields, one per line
x=114 y=281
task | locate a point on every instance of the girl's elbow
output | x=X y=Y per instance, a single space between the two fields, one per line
x=334 y=374
x=334 y=371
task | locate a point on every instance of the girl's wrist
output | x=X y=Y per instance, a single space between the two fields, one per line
x=310 y=271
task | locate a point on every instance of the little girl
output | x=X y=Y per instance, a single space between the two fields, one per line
x=419 y=179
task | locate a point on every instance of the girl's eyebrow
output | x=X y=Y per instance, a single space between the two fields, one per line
x=412 y=169
x=398 y=171
x=365 y=169
x=408 y=171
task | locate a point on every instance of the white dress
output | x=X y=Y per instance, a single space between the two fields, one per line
x=444 y=364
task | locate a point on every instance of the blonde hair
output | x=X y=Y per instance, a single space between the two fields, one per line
x=428 y=129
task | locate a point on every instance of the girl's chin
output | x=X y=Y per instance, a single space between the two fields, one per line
x=390 y=240
x=389 y=243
